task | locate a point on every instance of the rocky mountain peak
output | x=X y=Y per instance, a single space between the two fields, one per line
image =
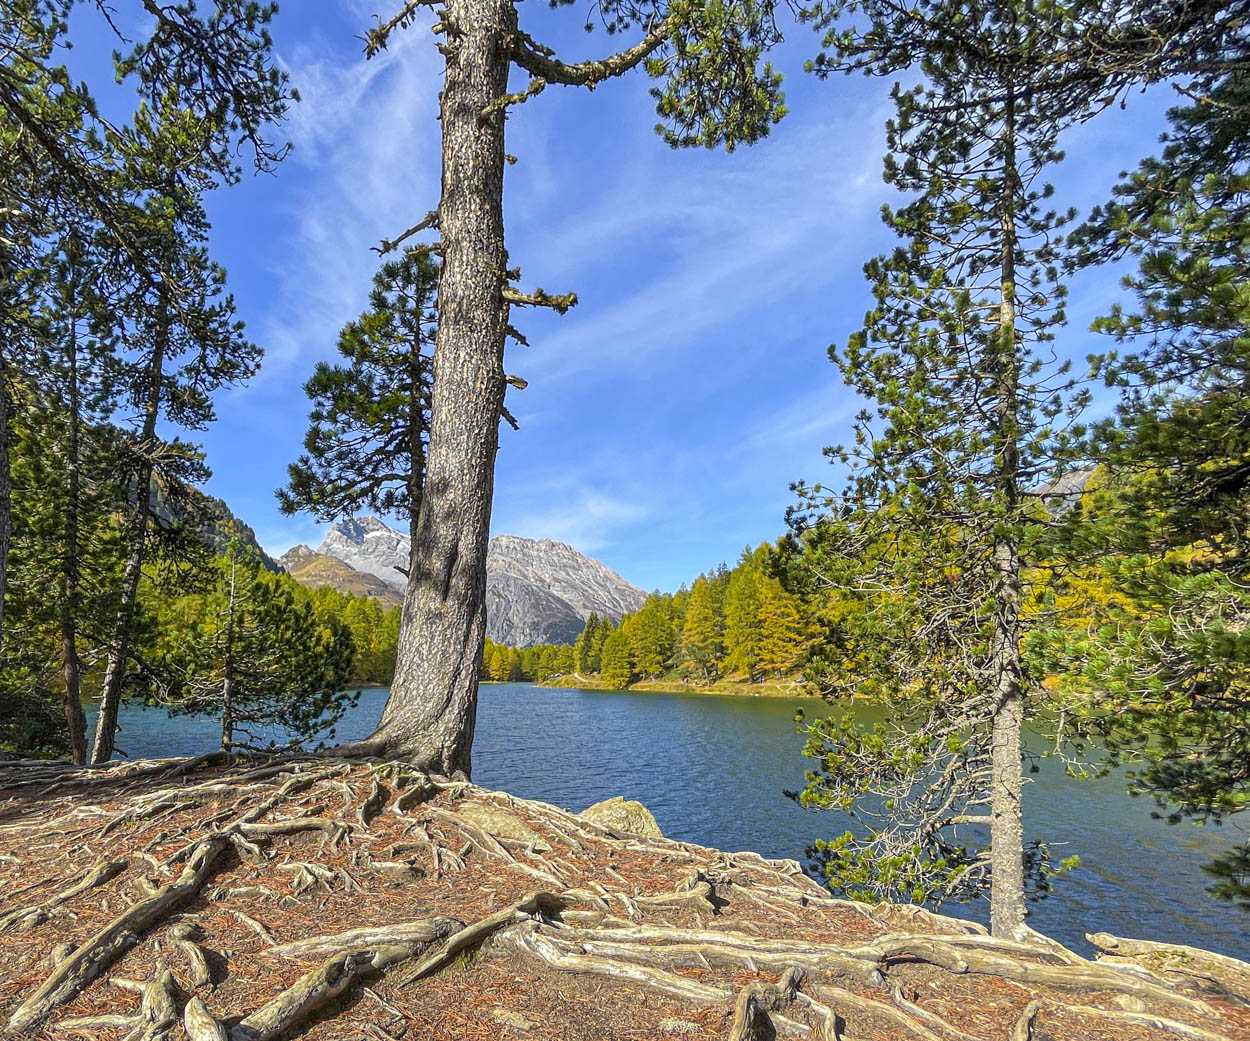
x=537 y=590
x=295 y=554
x=370 y=546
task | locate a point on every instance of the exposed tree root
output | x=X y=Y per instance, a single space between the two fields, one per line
x=469 y=936
x=751 y=1020
x=110 y=943
x=1024 y=1030
x=1215 y=973
x=183 y=936
x=368 y=872
x=199 y=1024
x=315 y=989
x=413 y=934
x=29 y=917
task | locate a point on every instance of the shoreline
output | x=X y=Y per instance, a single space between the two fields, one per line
x=731 y=688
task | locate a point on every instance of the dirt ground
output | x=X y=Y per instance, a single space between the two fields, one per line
x=177 y=898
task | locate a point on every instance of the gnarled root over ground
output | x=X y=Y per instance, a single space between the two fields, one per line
x=357 y=899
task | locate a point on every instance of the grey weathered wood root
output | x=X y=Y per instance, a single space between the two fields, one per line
x=100 y=951
x=530 y=941
x=315 y=989
x=199 y=1023
x=751 y=1020
x=729 y=950
x=1023 y=1030
x=158 y=1012
x=157 y=1016
x=532 y=904
x=1215 y=973
x=23 y=918
x=831 y=1003
x=184 y=937
x=95 y=955
x=698 y=898
x=421 y=932
x=1079 y=977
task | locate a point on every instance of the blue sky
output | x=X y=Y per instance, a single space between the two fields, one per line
x=666 y=414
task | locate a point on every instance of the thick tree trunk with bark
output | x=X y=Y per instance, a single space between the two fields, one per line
x=430 y=715
x=1006 y=816
x=136 y=538
x=416 y=447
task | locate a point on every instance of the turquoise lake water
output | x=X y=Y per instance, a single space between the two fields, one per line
x=712 y=770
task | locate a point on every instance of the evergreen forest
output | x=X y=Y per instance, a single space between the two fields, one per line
x=1029 y=540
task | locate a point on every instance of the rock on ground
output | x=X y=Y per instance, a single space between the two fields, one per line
x=624 y=815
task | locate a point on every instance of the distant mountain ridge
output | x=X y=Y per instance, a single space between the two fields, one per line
x=537 y=590
x=315 y=570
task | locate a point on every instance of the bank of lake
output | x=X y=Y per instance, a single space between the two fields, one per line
x=712 y=768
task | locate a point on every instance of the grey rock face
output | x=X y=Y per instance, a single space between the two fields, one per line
x=522 y=614
x=537 y=591
x=295 y=555
x=369 y=545
x=585 y=584
x=1060 y=496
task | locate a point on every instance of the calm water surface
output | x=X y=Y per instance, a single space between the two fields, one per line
x=712 y=769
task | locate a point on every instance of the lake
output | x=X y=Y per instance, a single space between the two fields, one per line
x=712 y=769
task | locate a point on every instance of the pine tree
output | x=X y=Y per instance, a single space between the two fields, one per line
x=656 y=638
x=701 y=636
x=743 y=624
x=73 y=494
x=259 y=661
x=617 y=669
x=716 y=90
x=781 y=630
x=184 y=344
x=582 y=648
x=366 y=443
x=937 y=520
x=548 y=664
x=499 y=663
x=594 y=649
x=65 y=165
x=1167 y=652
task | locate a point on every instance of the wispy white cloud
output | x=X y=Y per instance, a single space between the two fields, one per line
x=819 y=412
x=366 y=149
x=585 y=519
x=717 y=246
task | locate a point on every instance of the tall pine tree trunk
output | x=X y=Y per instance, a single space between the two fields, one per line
x=227 y=681
x=416 y=448
x=6 y=484
x=71 y=563
x=136 y=538
x=1006 y=817
x=432 y=708
x=6 y=433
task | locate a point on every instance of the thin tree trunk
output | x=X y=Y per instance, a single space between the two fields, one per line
x=1006 y=817
x=6 y=486
x=432 y=708
x=227 y=682
x=71 y=666
x=136 y=539
x=6 y=408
